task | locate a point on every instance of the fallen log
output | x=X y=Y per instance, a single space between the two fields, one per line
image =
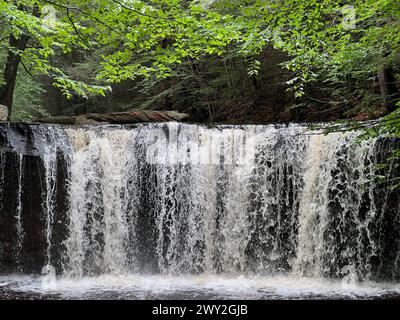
x=125 y=117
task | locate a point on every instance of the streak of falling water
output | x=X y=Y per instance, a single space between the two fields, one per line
x=49 y=161
x=18 y=216
x=98 y=224
x=312 y=207
x=2 y=172
x=335 y=175
x=51 y=141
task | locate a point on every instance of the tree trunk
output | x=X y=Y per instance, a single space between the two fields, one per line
x=10 y=71
x=389 y=90
x=126 y=117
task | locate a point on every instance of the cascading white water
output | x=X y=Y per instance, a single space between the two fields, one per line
x=338 y=177
x=180 y=199
x=175 y=198
x=97 y=173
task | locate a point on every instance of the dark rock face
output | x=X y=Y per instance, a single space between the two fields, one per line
x=8 y=205
x=22 y=190
x=33 y=221
x=30 y=255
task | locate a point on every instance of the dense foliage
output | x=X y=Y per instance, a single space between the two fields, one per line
x=342 y=59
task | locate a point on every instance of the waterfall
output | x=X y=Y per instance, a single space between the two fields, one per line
x=176 y=199
x=98 y=221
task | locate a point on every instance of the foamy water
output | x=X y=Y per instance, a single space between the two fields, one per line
x=194 y=287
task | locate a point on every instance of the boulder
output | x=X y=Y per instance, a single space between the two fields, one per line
x=3 y=112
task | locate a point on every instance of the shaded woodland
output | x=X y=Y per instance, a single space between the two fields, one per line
x=219 y=61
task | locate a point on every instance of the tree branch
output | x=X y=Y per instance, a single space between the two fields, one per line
x=136 y=11
x=32 y=76
x=83 y=12
x=78 y=34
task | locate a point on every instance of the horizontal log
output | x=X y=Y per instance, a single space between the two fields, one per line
x=126 y=117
